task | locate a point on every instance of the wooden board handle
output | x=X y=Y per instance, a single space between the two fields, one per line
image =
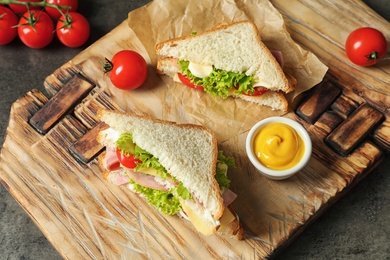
x=86 y=148
x=58 y=106
x=346 y=122
x=318 y=101
x=354 y=129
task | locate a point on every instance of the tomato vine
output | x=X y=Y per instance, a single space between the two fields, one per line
x=43 y=3
x=36 y=17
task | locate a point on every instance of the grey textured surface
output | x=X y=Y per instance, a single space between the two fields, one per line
x=356 y=227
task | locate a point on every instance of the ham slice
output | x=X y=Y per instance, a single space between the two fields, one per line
x=111 y=160
x=228 y=197
x=279 y=57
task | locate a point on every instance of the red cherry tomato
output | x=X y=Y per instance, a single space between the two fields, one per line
x=53 y=12
x=186 y=81
x=36 y=29
x=8 y=20
x=73 y=29
x=127 y=160
x=128 y=70
x=366 y=46
x=21 y=9
x=258 y=92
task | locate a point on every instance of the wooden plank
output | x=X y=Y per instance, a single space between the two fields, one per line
x=86 y=148
x=344 y=106
x=382 y=135
x=318 y=101
x=64 y=101
x=366 y=155
x=59 y=77
x=354 y=129
x=328 y=121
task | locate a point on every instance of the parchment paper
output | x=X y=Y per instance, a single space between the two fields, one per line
x=164 y=19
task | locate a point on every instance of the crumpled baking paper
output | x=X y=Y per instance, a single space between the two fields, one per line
x=165 y=19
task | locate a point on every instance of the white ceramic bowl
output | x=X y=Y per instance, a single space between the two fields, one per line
x=278 y=174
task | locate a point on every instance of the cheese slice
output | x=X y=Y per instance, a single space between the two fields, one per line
x=149 y=171
x=226 y=220
x=198 y=223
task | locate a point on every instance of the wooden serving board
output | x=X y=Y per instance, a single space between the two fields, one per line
x=59 y=184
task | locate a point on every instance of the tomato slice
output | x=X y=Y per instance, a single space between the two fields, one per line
x=127 y=160
x=186 y=81
x=258 y=91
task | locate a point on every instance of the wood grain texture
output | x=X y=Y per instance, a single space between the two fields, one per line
x=64 y=101
x=318 y=102
x=85 y=217
x=344 y=106
x=86 y=148
x=354 y=129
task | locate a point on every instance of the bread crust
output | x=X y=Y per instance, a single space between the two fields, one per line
x=102 y=163
x=288 y=87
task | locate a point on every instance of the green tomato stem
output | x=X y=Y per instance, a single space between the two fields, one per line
x=107 y=65
x=375 y=56
x=43 y=3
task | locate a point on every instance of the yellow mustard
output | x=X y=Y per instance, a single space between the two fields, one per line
x=278 y=146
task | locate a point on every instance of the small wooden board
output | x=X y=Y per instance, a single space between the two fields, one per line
x=48 y=157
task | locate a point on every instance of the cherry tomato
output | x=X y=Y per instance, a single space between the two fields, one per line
x=21 y=9
x=8 y=20
x=36 y=29
x=258 y=92
x=186 y=81
x=127 y=160
x=366 y=46
x=73 y=29
x=53 y=12
x=128 y=70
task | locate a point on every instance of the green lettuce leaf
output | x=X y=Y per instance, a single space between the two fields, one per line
x=219 y=82
x=229 y=161
x=220 y=174
x=167 y=202
x=149 y=161
x=125 y=144
x=164 y=201
x=181 y=191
